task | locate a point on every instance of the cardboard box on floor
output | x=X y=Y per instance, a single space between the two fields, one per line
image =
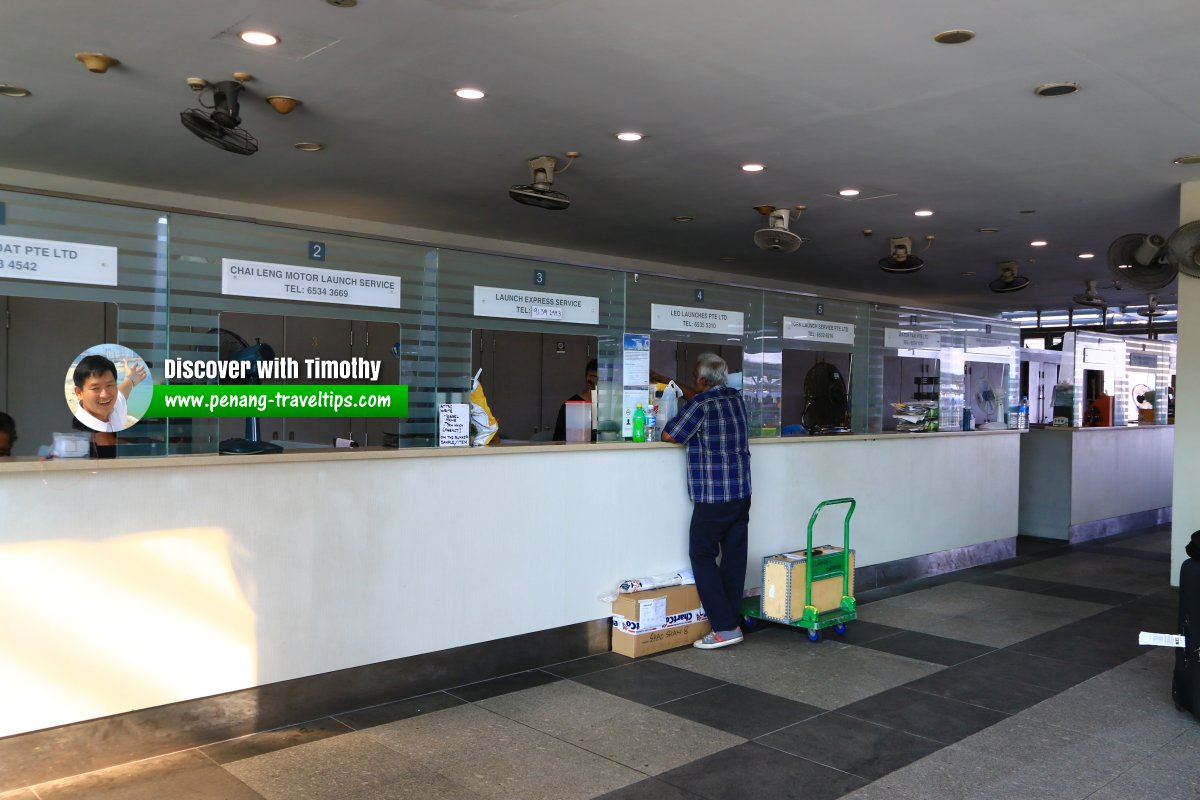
x=784 y=583
x=683 y=623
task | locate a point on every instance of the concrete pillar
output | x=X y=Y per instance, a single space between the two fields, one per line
x=1186 y=494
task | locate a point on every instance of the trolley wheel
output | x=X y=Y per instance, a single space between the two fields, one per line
x=814 y=636
x=749 y=622
x=840 y=629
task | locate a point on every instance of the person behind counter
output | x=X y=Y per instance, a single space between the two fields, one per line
x=8 y=434
x=713 y=428
x=591 y=378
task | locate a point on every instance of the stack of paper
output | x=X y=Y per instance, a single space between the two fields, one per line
x=916 y=415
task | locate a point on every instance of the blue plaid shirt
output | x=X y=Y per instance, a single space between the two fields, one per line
x=712 y=426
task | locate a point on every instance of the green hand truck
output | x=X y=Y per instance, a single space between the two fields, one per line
x=820 y=567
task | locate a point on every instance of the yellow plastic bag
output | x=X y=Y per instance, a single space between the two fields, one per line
x=486 y=425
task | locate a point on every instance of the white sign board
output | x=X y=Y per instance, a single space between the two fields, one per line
x=987 y=345
x=911 y=340
x=1101 y=356
x=309 y=284
x=696 y=320
x=521 y=304
x=64 y=262
x=454 y=425
x=818 y=330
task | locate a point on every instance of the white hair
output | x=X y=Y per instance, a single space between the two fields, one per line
x=712 y=369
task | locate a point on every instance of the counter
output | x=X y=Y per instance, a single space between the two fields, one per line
x=138 y=582
x=1083 y=483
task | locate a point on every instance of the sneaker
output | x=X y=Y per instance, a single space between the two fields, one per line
x=719 y=639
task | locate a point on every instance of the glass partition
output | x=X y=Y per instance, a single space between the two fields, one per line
x=211 y=317
x=61 y=297
x=532 y=327
x=685 y=318
x=816 y=356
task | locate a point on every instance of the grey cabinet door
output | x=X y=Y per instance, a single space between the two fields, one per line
x=44 y=337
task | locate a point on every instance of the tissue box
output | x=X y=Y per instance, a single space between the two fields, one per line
x=784 y=577
x=656 y=620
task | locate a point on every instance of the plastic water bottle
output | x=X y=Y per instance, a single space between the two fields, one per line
x=1023 y=414
x=651 y=422
x=639 y=424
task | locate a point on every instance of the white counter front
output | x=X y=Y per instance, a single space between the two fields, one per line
x=139 y=582
x=1080 y=483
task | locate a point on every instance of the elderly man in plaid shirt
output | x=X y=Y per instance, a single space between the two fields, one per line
x=712 y=426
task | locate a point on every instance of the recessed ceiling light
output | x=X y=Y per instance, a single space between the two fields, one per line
x=989 y=230
x=1191 y=159
x=752 y=167
x=470 y=94
x=728 y=259
x=849 y=193
x=1056 y=89
x=1037 y=243
x=683 y=218
x=309 y=147
x=955 y=36
x=1087 y=255
x=966 y=274
x=629 y=136
x=260 y=38
x=8 y=90
x=925 y=212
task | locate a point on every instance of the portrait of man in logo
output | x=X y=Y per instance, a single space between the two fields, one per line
x=108 y=388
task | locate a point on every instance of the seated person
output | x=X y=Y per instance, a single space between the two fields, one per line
x=8 y=434
x=591 y=377
x=103 y=403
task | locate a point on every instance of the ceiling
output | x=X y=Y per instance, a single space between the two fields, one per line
x=826 y=95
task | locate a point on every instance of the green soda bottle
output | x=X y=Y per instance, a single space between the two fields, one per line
x=639 y=424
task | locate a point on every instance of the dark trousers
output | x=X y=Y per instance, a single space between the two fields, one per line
x=720 y=529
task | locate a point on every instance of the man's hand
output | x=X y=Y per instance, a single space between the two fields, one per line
x=134 y=375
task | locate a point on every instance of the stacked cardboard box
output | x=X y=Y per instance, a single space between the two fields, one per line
x=656 y=620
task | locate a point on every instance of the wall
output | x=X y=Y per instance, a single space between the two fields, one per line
x=1186 y=517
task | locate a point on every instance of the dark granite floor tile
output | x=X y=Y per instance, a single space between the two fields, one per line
x=1128 y=552
x=649 y=682
x=925 y=647
x=474 y=692
x=1016 y=582
x=649 y=789
x=401 y=709
x=741 y=711
x=1090 y=594
x=968 y=686
x=270 y=741
x=852 y=745
x=180 y=776
x=1081 y=646
x=927 y=715
x=753 y=771
x=583 y=666
x=1050 y=673
x=861 y=632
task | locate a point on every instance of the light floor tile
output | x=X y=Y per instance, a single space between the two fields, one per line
x=347 y=767
x=561 y=709
x=1130 y=703
x=497 y=757
x=652 y=741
